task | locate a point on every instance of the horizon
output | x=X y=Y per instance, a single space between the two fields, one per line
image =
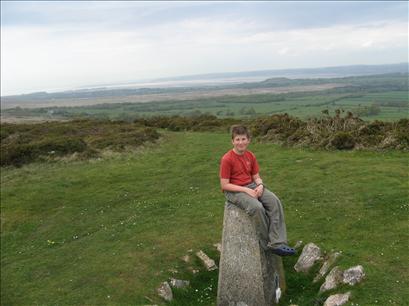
x=63 y=46
x=142 y=83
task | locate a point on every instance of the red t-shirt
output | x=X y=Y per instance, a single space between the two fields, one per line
x=239 y=169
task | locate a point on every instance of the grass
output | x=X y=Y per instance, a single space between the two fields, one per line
x=108 y=231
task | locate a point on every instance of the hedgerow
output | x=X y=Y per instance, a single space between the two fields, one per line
x=24 y=143
x=333 y=132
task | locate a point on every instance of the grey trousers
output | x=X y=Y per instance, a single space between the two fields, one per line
x=266 y=214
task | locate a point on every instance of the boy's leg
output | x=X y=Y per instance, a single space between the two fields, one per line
x=255 y=210
x=277 y=229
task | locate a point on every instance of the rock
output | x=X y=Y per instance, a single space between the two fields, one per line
x=179 y=283
x=218 y=246
x=326 y=265
x=333 y=279
x=337 y=299
x=241 y=304
x=208 y=262
x=353 y=275
x=193 y=270
x=165 y=292
x=310 y=254
x=186 y=258
x=247 y=273
x=298 y=244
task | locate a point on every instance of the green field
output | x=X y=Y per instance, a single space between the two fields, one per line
x=304 y=106
x=107 y=231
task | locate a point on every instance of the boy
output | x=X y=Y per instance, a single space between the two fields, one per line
x=243 y=186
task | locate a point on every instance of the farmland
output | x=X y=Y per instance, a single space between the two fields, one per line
x=382 y=97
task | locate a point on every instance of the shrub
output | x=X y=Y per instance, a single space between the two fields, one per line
x=342 y=141
x=24 y=143
x=14 y=154
x=59 y=146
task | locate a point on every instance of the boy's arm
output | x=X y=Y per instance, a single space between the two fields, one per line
x=260 y=187
x=257 y=179
x=226 y=185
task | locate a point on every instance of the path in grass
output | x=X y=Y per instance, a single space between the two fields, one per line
x=107 y=231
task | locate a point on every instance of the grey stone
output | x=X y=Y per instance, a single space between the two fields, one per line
x=179 y=283
x=186 y=258
x=218 y=246
x=310 y=254
x=207 y=261
x=298 y=244
x=248 y=274
x=333 y=279
x=354 y=275
x=193 y=270
x=337 y=299
x=332 y=258
x=165 y=292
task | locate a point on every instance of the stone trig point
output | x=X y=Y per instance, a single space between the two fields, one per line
x=248 y=275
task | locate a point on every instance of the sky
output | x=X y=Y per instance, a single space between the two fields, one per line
x=52 y=45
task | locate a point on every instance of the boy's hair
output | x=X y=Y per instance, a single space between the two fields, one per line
x=239 y=130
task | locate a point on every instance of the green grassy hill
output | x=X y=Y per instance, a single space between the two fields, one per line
x=107 y=231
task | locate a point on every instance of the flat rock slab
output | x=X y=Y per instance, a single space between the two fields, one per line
x=247 y=274
x=179 y=283
x=332 y=258
x=165 y=292
x=310 y=254
x=354 y=275
x=333 y=279
x=337 y=299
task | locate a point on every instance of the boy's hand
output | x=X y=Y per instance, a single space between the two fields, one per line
x=252 y=193
x=259 y=190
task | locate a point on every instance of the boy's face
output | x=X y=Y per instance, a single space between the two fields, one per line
x=240 y=143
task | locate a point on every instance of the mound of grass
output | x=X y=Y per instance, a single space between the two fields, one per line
x=107 y=232
x=25 y=143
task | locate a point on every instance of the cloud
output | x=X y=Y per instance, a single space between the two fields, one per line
x=106 y=45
